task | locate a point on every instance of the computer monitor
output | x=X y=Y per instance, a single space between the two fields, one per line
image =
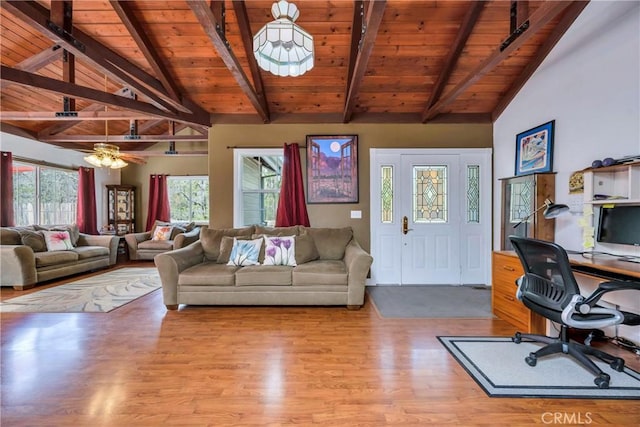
x=619 y=224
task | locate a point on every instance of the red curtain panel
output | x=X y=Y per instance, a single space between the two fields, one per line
x=6 y=189
x=158 y=200
x=86 y=217
x=292 y=207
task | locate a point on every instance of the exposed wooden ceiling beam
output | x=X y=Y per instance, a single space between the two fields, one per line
x=466 y=27
x=70 y=89
x=565 y=22
x=37 y=61
x=124 y=138
x=246 y=34
x=542 y=16
x=208 y=21
x=14 y=130
x=356 y=35
x=101 y=57
x=123 y=146
x=156 y=153
x=147 y=125
x=64 y=125
x=374 y=12
x=83 y=115
x=123 y=9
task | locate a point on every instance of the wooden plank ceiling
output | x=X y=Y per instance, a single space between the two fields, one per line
x=141 y=71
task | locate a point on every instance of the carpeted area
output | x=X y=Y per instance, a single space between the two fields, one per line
x=101 y=293
x=497 y=365
x=429 y=301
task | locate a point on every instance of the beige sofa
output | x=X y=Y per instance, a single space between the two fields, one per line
x=142 y=247
x=25 y=260
x=331 y=270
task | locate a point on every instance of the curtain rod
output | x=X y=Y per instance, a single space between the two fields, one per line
x=260 y=146
x=44 y=163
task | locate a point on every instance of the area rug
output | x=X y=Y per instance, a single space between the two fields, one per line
x=429 y=301
x=497 y=365
x=98 y=294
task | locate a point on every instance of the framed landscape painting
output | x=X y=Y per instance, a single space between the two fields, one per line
x=332 y=169
x=534 y=150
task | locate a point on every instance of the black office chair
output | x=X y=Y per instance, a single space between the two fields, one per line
x=549 y=288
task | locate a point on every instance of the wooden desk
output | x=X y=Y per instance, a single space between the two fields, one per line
x=507 y=268
x=603 y=265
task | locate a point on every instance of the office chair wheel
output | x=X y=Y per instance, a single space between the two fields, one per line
x=617 y=365
x=602 y=381
x=517 y=338
x=531 y=359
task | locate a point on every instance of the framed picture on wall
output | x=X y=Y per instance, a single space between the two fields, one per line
x=332 y=168
x=534 y=149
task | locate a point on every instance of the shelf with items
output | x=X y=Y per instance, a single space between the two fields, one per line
x=613 y=184
x=121 y=208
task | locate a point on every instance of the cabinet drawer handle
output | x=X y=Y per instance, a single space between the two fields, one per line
x=509 y=298
x=506 y=267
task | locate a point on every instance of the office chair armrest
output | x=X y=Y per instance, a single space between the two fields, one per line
x=604 y=287
x=577 y=306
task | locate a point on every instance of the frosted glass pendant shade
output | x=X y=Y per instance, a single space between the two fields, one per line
x=282 y=47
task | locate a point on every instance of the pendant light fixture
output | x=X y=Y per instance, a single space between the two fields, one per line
x=282 y=47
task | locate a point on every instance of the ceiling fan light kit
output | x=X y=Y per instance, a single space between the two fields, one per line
x=282 y=47
x=106 y=155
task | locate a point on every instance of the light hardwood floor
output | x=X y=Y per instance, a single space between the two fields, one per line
x=141 y=365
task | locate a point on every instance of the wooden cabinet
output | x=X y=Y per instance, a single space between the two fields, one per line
x=121 y=208
x=522 y=195
x=506 y=269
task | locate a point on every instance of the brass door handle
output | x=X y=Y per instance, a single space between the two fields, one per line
x=405 y=225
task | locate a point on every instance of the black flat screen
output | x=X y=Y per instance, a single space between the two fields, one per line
x=619 y=224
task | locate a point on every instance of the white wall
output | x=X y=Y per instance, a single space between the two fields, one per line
x=35 y=150
x=590 y=85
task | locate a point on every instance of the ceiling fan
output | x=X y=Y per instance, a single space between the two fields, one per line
x=110 y=156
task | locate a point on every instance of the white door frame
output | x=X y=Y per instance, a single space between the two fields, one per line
x=481 y=156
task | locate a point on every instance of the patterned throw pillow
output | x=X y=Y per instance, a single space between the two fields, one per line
x=73 y=229
x=162 y=232
x=245 y=252
x=57 y=240
x=279 y=251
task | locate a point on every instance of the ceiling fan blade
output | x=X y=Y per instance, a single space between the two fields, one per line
x=132 y=158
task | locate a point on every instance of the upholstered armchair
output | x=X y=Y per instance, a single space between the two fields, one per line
x=163 y=237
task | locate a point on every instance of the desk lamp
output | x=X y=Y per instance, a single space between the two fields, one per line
x=552 y=210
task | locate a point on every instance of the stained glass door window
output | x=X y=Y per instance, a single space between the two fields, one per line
x=430 y=199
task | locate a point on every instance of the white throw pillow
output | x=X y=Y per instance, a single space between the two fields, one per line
x=279 y=250
x=57 y=240
x=245 y=252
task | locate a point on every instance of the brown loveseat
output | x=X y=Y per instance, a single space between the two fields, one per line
x=331 y=270
x=25 y=260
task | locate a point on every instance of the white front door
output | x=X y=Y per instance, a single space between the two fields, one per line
x=430 y=216
x=429 y=202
